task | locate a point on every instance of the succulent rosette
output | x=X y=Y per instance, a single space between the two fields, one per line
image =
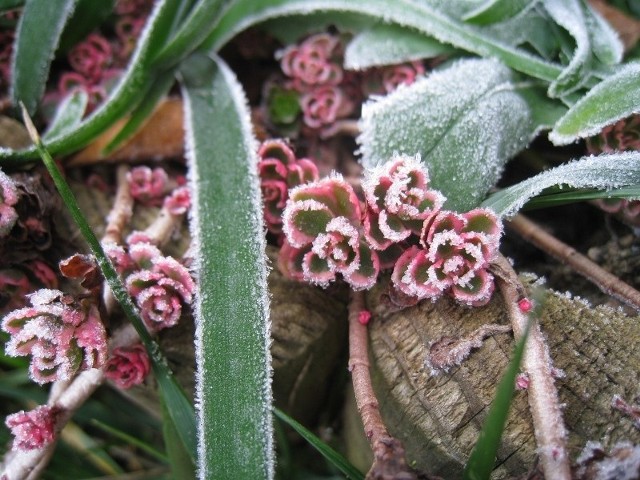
x=34 y=428
x=324 y=237
x=62 y=336
x=128 y=366
x=398 y=201
x=455 y=254
x=279 y=170
x=324 y=105
x=313 y=62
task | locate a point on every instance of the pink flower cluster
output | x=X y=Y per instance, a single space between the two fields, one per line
x=33 y=429
x=8 y=199
x=280 y=170
x=61 y=334
x=128 y=366
x=148 y=186
x=159 y=285
x=401 y=225
x=315 y=71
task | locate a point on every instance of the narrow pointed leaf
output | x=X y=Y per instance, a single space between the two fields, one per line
x=37 y=37
x=616 y=97
x=180 y=408
x=482 y=459
x=335 y=458
x=493 y=11
x=465 y=121
x=559 y=196
x=68 y=115
x=232 y=330
x=388 y=44
x=124 y=97
x=605 y=41
x=604 y=172
x=419 y=15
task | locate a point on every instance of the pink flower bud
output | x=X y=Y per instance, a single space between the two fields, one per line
x=405 y=74
x=179 y=201
x=128 y=366
x=323 y=105
x=525 y=305
x=91 y=57
x=148 y=186
x=33 y=429
x=364 y=316
x=313 y=63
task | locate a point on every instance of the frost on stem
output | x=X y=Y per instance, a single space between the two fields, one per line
x=61 y=334
x=456 y=250
x=8 y=198
x=159 y=285
x=32 y=429
x=280 y=170
x=324 y=236
x=128 y=366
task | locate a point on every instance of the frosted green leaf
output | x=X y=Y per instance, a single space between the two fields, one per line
x=235 y=437
x=493 y=11
x=465 y=121
x=604 y=172
x=68 y=114
x=616 y=97
x=388 y=44
x=605 y=42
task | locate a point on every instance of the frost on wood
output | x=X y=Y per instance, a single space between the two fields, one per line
x=388 y=44
x=465 y=121
x=604 y=172
x=231 y=305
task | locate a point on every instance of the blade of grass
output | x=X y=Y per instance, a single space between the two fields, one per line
x=178 y=458
x=481 y=461
x=180 y=409
x=335 y=458
x=87 y=447
x=557 y=197
x=231 y=307
x=130 y=440
x=34 y=48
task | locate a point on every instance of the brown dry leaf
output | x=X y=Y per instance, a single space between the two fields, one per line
x=13 y=134
x=628 y=28
x=161 y=137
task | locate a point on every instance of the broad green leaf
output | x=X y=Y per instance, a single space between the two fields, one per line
x=605 y=41
x=494 y=11
x=37 y=38
x=420 y=16
x=482 y=460
x=335 y=458
x=604 y=172
x=125 y=96
x=201 y=20
x=614 y=98
x=179 y=407
x=291 y=28
x=388 y=44
x=465 y=121
x=68 y=114
x=231 y=309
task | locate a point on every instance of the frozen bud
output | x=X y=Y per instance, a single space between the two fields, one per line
x=147 y=185
x=398 y=201
x=525 y=305
x=313 y=62
x=364 y=316
x=522 y=381
x=179 y=201
x=405 y=74
x=91 y=57
x=128 y=366
x=8 y=198
x=61 y=335
x=324 y=105
x=33 y=429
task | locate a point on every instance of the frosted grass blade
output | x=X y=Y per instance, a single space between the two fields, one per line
x=68 y=115
x=235 y=434
x=616 y=97
x=34 y=48
x=604 y=172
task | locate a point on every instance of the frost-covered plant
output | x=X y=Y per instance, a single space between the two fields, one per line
x=178 y=201
x=455 y=252
x=148 y=186
x=128 y=366
x=34 y=428
x=62 y=335
x=316 y=61
x=8 y=199
x=159 y=285
x=323 y=225
x=280 y=170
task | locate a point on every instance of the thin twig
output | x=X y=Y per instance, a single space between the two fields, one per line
x=550 y=433
x=122 y=208
x=389 y=458
x=607 y=282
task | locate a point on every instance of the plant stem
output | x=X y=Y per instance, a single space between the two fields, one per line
x=122 y=209
x=605 y=281
x=550 y=433
x=389 y=458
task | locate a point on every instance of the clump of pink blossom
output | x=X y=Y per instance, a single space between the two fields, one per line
x=61 y=335
x=128 y=366
x=148 y=186
x=280 y=170
x=159 y=285
x=32 y=429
